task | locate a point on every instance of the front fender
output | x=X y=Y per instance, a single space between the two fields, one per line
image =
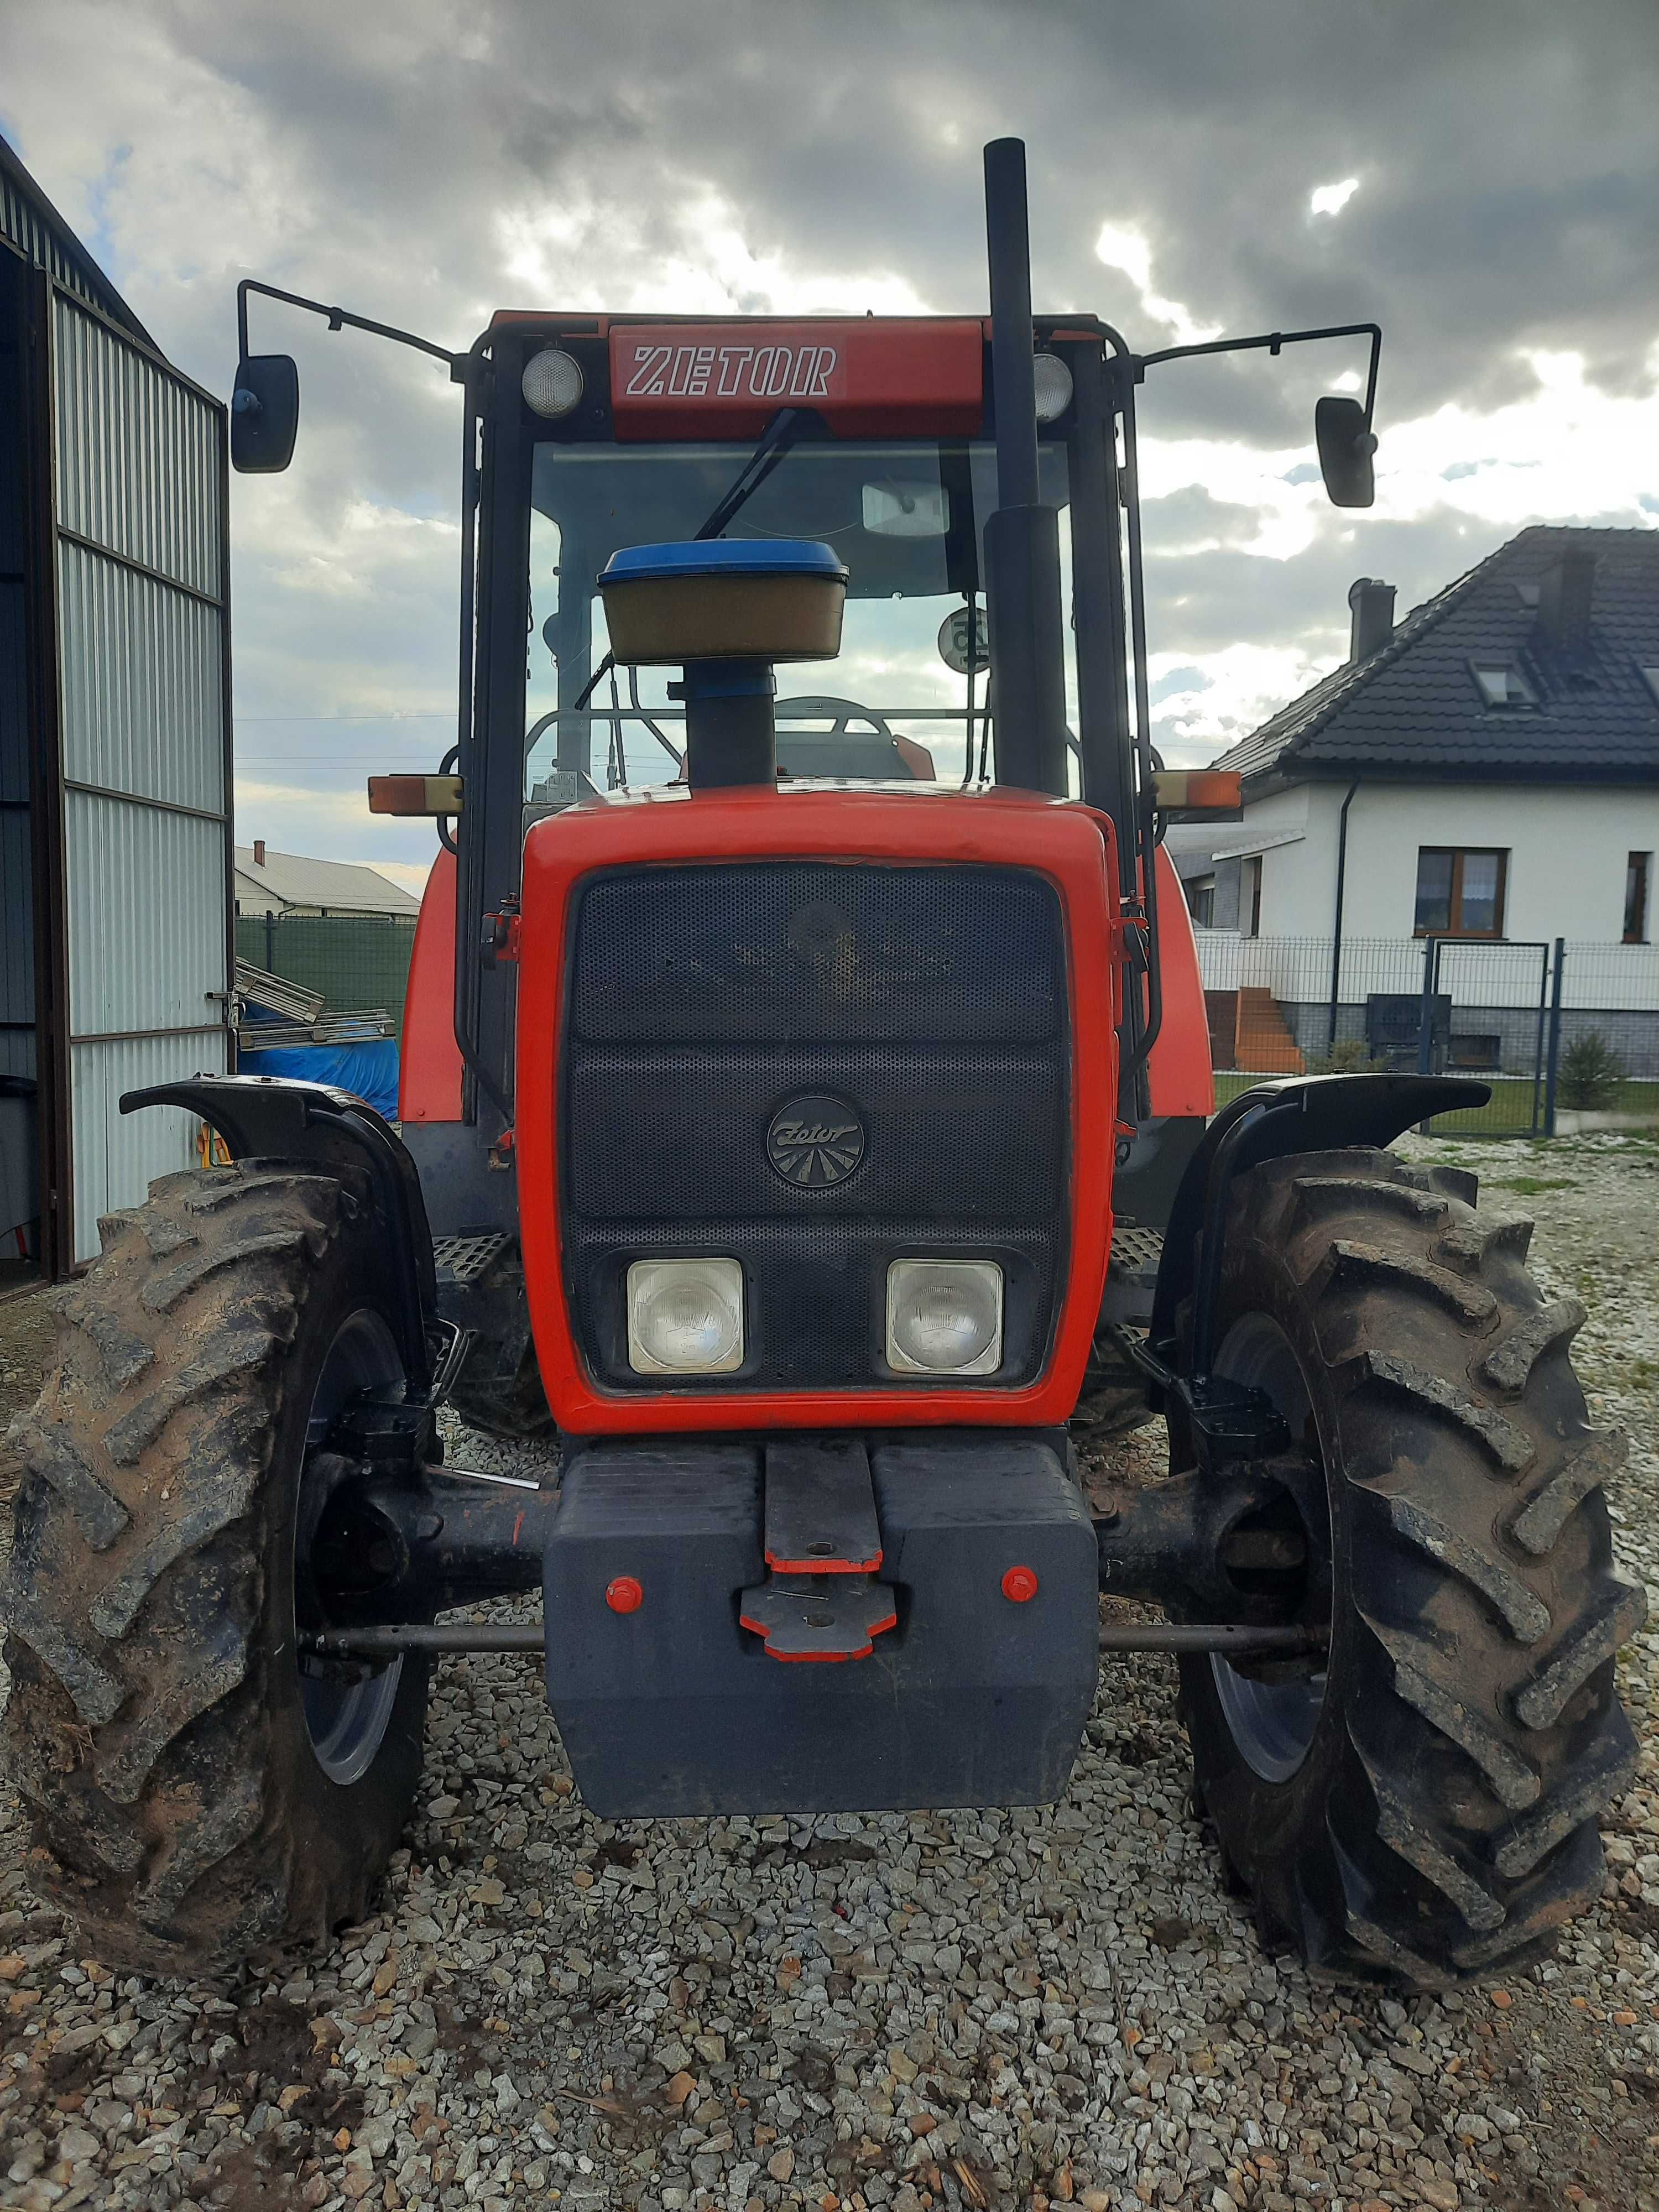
x=314 y=1125
x=1324 y=1113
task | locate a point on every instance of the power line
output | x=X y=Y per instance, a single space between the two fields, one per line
x=390 y=715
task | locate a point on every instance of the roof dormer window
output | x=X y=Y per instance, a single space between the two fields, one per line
x=1502 y=685
x=1651 y=676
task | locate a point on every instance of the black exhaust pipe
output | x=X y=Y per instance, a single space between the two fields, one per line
x=1021 y=538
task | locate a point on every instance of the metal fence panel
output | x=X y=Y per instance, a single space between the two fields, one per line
x=1283 y=1005
x=359 y=963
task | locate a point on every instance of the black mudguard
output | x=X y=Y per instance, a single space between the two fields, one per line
x=314 y=1125
x=1297 y=1114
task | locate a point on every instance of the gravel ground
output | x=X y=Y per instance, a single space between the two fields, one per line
x=993 y=2009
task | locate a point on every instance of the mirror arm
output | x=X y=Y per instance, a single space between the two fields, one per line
x=1273 y=340
x=337 y=319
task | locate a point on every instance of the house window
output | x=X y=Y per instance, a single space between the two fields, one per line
x=1249 y=897
x=1638 y=870
x=1201 y=900
x=1460 y=892
x=1502 y=685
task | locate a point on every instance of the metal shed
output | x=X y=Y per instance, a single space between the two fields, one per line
x=116 y=917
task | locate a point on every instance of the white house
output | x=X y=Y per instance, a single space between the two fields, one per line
x=1494 y=760
x=1486 y=772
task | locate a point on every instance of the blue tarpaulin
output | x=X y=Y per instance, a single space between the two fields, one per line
x=368 y=1069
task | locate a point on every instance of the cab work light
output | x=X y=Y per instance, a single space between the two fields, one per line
x=1051 y=386
x=552 y=383
x=415 y=794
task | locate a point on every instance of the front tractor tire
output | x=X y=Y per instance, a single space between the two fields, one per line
x=195 y=1794
x=1421 y=1807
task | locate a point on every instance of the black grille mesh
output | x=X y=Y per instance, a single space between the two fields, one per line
x=932 y=999
x=814 y=952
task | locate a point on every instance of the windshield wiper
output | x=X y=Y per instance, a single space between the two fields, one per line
x=782 y=432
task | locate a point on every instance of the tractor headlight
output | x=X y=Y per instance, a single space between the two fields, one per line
x=684 y=1316
x=945 y=1317
x=1052 y=381
x=552 y=383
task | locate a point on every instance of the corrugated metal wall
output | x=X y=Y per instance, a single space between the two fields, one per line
x=16 y=883
x=138 y=468
x=44 y=241
x=40 y=242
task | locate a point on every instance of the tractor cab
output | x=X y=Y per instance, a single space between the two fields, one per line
x=903 y=496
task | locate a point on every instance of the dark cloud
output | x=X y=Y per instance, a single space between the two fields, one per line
x=427 y=161
x=1508 y=194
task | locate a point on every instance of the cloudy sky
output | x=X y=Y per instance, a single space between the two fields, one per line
x=1481 y=176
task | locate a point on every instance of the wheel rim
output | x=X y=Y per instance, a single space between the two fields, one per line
x=346 y=1720
x=1273 y=1723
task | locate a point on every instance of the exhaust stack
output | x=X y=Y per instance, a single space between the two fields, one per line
x=1021 y=538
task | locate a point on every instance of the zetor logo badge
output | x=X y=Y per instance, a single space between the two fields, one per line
x=731 y=372
x=815 y=1141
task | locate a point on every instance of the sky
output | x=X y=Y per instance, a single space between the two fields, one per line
x=1482 y=178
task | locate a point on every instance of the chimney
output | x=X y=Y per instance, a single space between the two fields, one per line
x=258 y=851
x=1564 y=593
x=1370 y=602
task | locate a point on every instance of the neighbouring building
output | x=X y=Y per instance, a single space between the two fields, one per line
x=289 y=884
x=1484 y=772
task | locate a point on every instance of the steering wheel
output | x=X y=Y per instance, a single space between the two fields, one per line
x=841 y=711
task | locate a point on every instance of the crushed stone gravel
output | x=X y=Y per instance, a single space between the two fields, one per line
x=1058 y=2006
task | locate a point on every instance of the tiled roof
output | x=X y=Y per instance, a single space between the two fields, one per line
x=1413 y=707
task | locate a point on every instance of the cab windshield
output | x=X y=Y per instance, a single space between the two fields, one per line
x=906 y=517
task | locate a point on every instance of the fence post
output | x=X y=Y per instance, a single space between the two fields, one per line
x=1426 y=1019
x=271 y=942
x=1552 y=1055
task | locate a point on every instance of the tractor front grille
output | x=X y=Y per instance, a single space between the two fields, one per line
x=701 y=1001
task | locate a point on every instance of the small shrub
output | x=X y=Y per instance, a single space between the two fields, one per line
x=1591 y=1072
x=1347 y=1056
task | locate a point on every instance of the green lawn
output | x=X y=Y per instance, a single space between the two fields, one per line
x=1508 y=1112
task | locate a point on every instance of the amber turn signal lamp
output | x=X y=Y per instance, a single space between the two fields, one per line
x=1196 y=791
x=415 y=794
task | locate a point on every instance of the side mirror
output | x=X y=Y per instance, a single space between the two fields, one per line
x=264 y=413
x=1346 y=443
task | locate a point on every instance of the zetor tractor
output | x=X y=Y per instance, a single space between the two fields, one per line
x=813 y=1142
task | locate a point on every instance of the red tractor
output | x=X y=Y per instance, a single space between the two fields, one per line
x=804 y=1140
